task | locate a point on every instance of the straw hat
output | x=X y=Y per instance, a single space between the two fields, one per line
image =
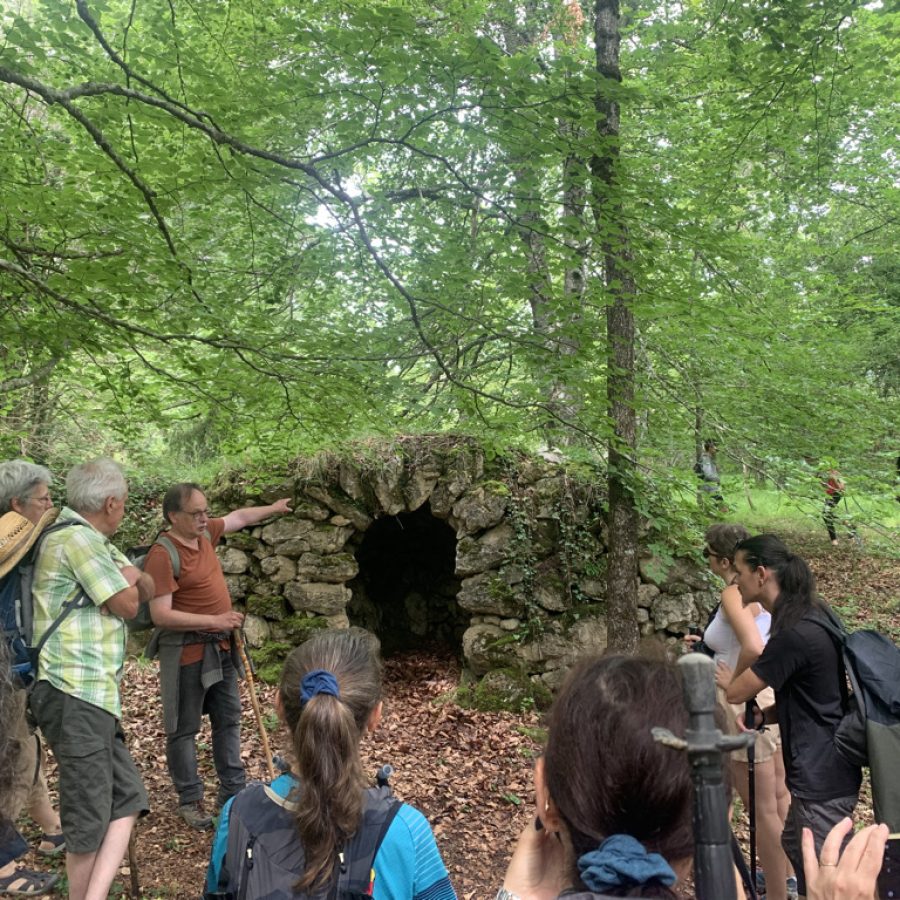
x=17 y=534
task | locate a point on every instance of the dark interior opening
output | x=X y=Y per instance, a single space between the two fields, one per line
x=405 y=591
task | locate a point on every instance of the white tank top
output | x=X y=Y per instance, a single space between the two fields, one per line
x=721 y=639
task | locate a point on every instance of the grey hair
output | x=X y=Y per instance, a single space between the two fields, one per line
x=17 y=479
x=90 y=484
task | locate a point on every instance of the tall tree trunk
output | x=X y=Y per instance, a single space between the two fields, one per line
x=555 y=320
x=622 y=573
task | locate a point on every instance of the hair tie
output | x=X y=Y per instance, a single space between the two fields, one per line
x=622 y=861
x=318 y=681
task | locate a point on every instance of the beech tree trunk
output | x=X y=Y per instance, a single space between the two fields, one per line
x=622 y=573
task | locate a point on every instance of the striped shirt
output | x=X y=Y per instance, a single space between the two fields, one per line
x=85 y=655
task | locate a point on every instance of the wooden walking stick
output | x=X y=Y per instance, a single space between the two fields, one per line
x=251 y=684
x=132 y=862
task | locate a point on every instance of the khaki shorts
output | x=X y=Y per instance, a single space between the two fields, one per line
x=768 y=742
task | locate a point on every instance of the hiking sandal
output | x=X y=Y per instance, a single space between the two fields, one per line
x=25 y=882
x=57 y=844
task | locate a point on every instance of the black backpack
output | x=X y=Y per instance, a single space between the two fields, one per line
x=265 y=857
x=869 y=733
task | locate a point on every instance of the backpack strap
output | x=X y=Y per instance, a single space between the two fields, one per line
x=356 y=864
x=79 y=601
x=164 y=541
x=833 y=625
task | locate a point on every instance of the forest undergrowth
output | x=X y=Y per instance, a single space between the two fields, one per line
x=469 y=772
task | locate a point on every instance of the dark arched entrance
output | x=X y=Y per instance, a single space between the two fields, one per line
x=405 y=591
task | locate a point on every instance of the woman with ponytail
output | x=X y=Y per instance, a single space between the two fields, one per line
x=299 y=836
x=803 y=665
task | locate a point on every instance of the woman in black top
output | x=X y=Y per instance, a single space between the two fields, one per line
x=803 y=665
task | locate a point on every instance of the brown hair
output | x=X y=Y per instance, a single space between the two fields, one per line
x=176 y=496
x=326 y=731
x=606 y=773
x=722 y=539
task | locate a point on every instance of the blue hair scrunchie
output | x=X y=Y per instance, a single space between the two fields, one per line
x=318 y=681
x=621 y=861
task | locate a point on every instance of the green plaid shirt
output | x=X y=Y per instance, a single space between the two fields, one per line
x=85 y=655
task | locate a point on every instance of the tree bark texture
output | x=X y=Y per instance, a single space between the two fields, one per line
x=622 y=572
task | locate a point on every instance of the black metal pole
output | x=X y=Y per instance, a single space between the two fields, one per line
x=749 y=713
x=706 y=745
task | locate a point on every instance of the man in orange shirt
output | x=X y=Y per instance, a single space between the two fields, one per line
x=195 y=620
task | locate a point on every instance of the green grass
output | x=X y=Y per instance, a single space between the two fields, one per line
x=877 y=521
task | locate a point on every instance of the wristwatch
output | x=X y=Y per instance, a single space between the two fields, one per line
x=504 y=894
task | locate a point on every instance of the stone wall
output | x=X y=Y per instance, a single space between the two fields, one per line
x=522 y=585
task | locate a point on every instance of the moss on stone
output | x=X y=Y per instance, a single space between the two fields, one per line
x=505 y=690
x=298 y=629
x=242 y=540
x=267 y=607
x=498 y=488
x=500 y=589
x=269 y=660
x=583 y=611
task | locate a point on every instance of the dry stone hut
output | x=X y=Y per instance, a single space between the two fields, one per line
x=427 y=541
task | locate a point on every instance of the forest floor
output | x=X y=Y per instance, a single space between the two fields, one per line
x=469 y=772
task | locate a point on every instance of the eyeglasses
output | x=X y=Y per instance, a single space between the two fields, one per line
x=197 y=515
x=46 y=500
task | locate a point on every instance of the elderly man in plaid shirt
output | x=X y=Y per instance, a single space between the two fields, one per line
x=76 y=698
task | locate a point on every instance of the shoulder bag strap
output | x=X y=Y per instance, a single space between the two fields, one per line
x=79 y=601
x=165 y=541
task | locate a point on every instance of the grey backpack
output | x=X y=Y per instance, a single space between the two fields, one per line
x=138 y=555
x=869 y=733
x=265 y=857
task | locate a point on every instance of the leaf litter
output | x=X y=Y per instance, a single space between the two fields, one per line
x=469 y=772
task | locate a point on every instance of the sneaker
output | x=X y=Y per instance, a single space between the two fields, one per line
x=193 y=814
x=792 y=888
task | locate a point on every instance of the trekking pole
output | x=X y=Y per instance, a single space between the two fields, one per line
x=254 y=700
x=706 y=745
x=132 y=862
x=749 y=716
